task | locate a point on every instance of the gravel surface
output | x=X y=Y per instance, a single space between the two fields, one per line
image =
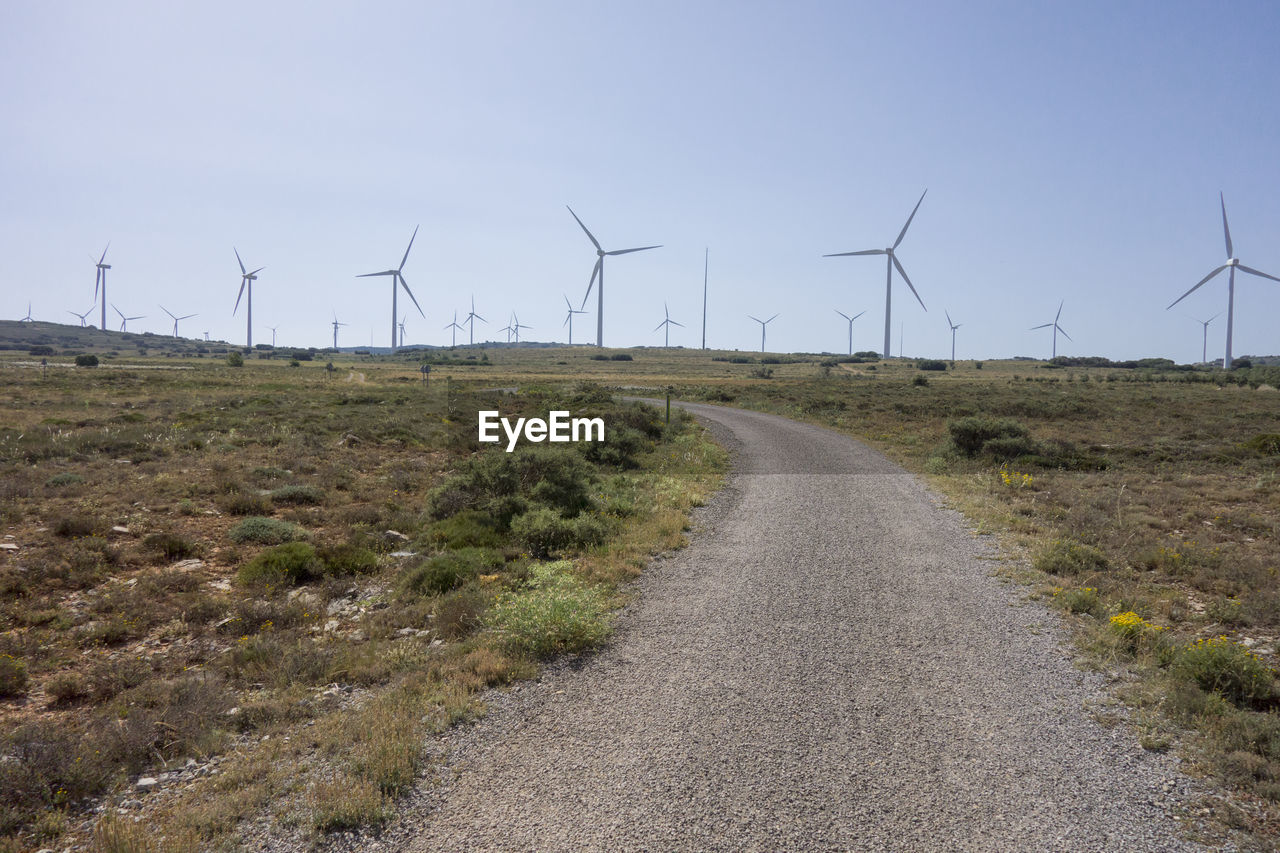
x=828 y=666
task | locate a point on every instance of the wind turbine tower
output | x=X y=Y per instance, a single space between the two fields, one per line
x=1232 y=264
x=1204 y=343
x=953 y=326
x=890 y=263
x=102 y=280
x=706 y=262
x=568 y=320
x=471 y=323
x=763 y=325
x=246 y=282
x=454 y=325
x=850 y=319
x=397 y=279
x=666 y=325
x=336 y=324
x=598 y=271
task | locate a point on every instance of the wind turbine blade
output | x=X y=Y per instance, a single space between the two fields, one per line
x=1059 y=314
x=1064 y=333
x=856 y=316
x=844 y=315
x=567 y=304
x=97 y=280
x=903 y=233
x=660 y=325
x=850 y=254
x=1226 y=232
x=237 y=251
x=569 y=316
x=949 y=323
x=590 y=236
x=187 y=317
x=118 y=311
x=1258 y=273
x=594 y=272
x=373 y=274
x=104 y=252
x=903 y=273
x=1041 y=326
x=238 y=295
x=629 y=251
x=481 y=319
x=674 y=323
x=405 y=285
x=1198 y=284
x=757 y=319
x=406 y=251
x=771 y=319
x=258 y=270
x=167 y=311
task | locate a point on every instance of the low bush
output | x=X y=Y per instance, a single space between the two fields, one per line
x=450 y=570
x=502 y=485
x=467 y=529
x=1218 y=665
x=297 y=495
x=235 y=359
x=1064 y=557
x=347 y=559
x=287 y=564
x=171 y=546
x=1080 y=600
x=556 y=613
x=86 y=360
x=265 y=531
x=65 y=479
x=931 y=364
x=244 y=503
x=13 y=676
x=1267 y=444
x=545 y=533
x=77 y=526
x=971 y=435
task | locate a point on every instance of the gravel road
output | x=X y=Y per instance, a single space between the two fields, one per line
x=828 y=666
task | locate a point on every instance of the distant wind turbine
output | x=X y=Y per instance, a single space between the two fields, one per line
x=953 y=326
x=568 y=318
x=598 y=271
x=336 y=324
x=706 y=264
x=763 y=324
x=516 y=326
x=246 y=282
x=273 y=335
x=454 y=325
x=101 y=280
x=176 y=319
x=28 y=318
x=471 y=323
x=402 y=319
x=1056 y=329
x=1204 y=344
x=850 y=319
x=890 y=264
x=508 y=329
x=124 y=321
x=82 y=316
x=397 y=276
x=1233 y=263
x=666 y=325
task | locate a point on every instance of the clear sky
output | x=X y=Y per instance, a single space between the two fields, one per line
x=1072 y=151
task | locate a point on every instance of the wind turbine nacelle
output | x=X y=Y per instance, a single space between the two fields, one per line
x=104 y=266
x=1233 y=262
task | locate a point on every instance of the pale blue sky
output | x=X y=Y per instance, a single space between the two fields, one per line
x=1071 y=151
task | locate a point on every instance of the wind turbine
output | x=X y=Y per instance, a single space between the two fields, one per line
x=1204 y=346
x=890 y=264
x=850 y=319
x=246 y=281
x=706 y=263
x=27 y=319
x=402 y=319
x=175 y=319
x=508 y=329
x=471 y=323
x=955 y=326
x=598 y=271
x=1056 y=329
x=101 y=280
x=398 y=277
x=336 y=324
x=273 y=335
x=83 y=316
x=568 y=319
x=763 y=325
x=124 y=321
x=667 y=323
x=454 y=325
x=516 y=326
x=1233 y=263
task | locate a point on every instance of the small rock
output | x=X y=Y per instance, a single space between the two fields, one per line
x=396 y=534
x=147 y=783
x=331 y=625
x=394 y=553
x=8 y=546
x=188 y=565
x=119 y=528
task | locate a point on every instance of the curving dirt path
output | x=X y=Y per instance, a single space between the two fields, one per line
x=828 y=666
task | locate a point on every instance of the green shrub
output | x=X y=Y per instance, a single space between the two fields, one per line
x=620 y=356
x=1010 y=447
x=66 y=478
x=282 y=565
x=970 y=435
x=1080 y=600
x=1267 y=443
x=235 y=359
x=450 y=570
x=545 y=533
x=1064 y=557
x=13 y=676
x=265 y=531
x=87 y=359
x=467 y=529
x=1228 y=669
x=556 y=613
x=502 y=485
x=244 y=503
x=297 y=495
x=347 y=559
x=920 y=380
x=931 y=364
x=171 y=546
x=77 y=526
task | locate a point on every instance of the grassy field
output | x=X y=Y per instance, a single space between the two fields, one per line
x=1142 y=502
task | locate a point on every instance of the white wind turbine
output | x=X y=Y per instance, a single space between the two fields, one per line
x=176 y=318
x=246 y=283
x=1232 y=264
x=598 y=271
x=955 y=326
x=124 y=321
x=470 y=322
x=402 y=319
x=397 y=277
x=516 y=326
x=706 y=264
x=666 y=325
x=28 y=318
x=454 y=325
x=891 y=262
x=101 y=280
x=1056 y=329
x=83 y=316
x=568 y=318
x=336 y=324
x=1204 y=344
x=763 y=325
x=273 y=335
x=850 y=319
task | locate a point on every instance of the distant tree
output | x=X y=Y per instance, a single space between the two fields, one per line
x=235 y=359
x=86 y=359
